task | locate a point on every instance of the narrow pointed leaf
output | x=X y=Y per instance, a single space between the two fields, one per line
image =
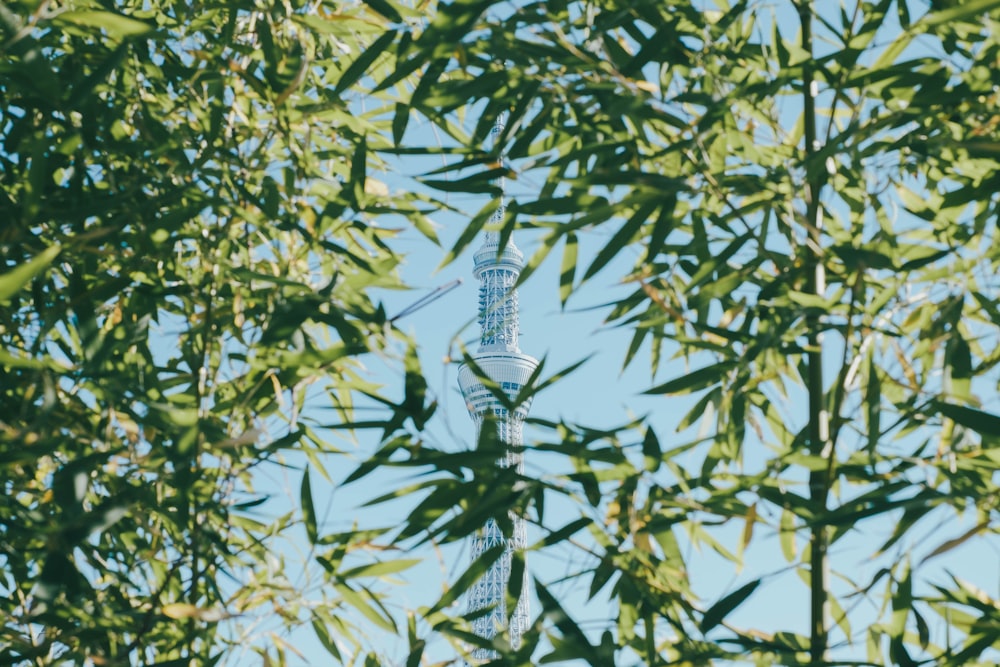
x=308 y=511
x=718 y=612
x=14 y=280
x=695 y=380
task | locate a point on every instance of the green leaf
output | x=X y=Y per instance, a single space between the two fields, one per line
x=381 y=568
x=468 y=234
x=718 y=611
x=9 y=360
x=308 y=511
x=873 y=404
x=475 y=570
x=557 y=536
x=385 y=8
x=359 y=172
x=840 y=616
x=361 y=64
x=319 y=627
x=652 y=453
x=948 y=545
x=568 y=270
x=786 y=535
x=622 y=237
x=399 y=120
x=363 y=603
x=902 y=601
x=567 y=626
x=811 y=301
x=14 y=280
x=981 y=422
x=962 y=10
x=116 y=24
x=695 y=380
x=960 y=371
x=923 y=632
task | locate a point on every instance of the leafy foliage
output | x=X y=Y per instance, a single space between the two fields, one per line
x=810 y=193
x=189 y=261
x=187 y=251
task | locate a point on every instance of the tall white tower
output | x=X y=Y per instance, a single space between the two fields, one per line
x=500 y=359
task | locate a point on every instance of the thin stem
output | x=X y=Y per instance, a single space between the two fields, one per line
x=818 y=429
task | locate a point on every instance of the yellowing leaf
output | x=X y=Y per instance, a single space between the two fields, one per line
x=787 y=535
x=648 y=86
x=375 y=187
x=181 y=610
x=751 y=519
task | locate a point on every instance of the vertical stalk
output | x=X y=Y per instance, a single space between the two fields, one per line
x=818 y=427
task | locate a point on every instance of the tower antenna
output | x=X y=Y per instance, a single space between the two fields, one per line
x=501 y=360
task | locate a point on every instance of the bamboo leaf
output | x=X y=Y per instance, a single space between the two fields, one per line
x=748 y=525
x=718 y=612
x=567 y=626
x=361 y=64
x=361 y=602
x=557 y=536
x=385 y=8
x=786 y=535
x=380 y=569
x=15 y=280
x=308 y=511
x=695 y=380
x=472 y=574
x=568 y=270
x=115 y=24
x=652 y=453
x=963 y=10
x=948 y=545
x=984 y=423
x=622 y=237
x=324 y=638
x=873 y=404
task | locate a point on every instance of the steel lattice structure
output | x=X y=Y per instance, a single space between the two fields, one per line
x=502 y=361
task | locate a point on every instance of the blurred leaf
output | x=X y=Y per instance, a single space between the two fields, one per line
x=324 y=638
x=14 y=281
x=695 y=380
x=179 y=610
x=360 y=66
x=472 y=574
x=718 y=611
x=787 y=535
x=582 y=648
x=308 y=511
x=386 y=9
x=960 y=11
x=977 y=420
x=622 y=237
x=557 y=536
x=948 y=545
x=568 y=270
x=380 y=569
x=115 y=24
x=365 y=603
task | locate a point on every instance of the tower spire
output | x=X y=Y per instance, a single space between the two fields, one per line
x=502 y=361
